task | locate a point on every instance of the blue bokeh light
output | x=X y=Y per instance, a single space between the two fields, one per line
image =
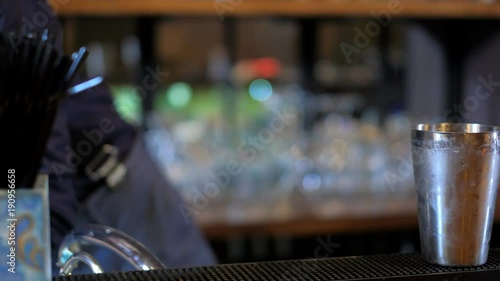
x=260 y=90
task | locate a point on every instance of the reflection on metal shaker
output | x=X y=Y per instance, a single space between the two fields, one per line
x=456 y=169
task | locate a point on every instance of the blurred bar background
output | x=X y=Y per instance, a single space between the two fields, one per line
x=286 y=124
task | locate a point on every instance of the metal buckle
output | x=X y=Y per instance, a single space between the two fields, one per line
x=106 y=165
x=116 y=176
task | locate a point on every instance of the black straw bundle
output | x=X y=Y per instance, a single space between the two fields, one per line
x=34 y=79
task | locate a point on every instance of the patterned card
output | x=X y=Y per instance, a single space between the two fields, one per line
x=25 y=231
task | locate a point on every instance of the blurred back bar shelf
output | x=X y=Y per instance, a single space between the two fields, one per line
x=306 y=8
x=333 y=217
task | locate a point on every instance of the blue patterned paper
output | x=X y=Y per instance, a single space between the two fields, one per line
x=32 y=242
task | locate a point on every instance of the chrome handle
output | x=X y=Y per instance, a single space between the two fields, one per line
x=120 y=243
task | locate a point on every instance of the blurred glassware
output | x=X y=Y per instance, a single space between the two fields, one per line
x=397 y=127
x=131 y=56
x=340 y=156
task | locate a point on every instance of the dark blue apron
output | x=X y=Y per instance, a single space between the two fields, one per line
x=145 y=206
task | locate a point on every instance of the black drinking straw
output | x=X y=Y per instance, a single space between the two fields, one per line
x=34 y=78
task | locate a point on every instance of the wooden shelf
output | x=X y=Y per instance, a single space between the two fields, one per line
x=351 y=216
x=312 y=226
x=298 y=8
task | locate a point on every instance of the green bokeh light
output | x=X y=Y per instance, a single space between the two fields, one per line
x=127 y=103
x=179 y=94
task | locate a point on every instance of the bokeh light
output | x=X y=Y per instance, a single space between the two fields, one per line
x=127 y=103
x=179 y=94
x=260 y=90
